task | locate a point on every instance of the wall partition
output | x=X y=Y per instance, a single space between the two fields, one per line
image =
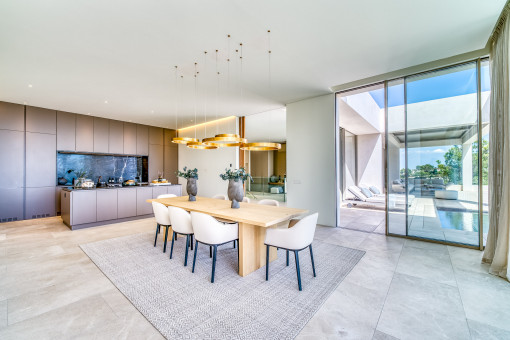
x=437 y=154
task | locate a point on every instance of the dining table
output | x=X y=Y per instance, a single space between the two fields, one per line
x=253 y=220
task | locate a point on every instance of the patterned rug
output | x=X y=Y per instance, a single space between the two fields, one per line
x=181 y=304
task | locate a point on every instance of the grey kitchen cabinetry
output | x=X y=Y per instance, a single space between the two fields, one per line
x=39 y=202
x=58 y=203
x=41 y=159
x=159 y=190
x=84 y=133
x=101 y=132
x=155 y=135
x=142 y=140
x=41 y=120
x=175 y=189
x=170 y=157
x=129 y=139
x=11 y=204
x=12 y=149
x=142 y=206
x=116 y=137
x=12 y=116
x=126 y=202
x=106 y=204
x=66 y=131
x=83 y=207
x=155 y=161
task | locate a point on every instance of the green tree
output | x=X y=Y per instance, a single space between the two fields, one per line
x=453 y=160
x=444 y=172
x=485 y=162
x=426 y=170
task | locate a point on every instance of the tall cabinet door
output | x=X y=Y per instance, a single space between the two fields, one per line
x=41 y=160
x=12 y=149
x=129 y=139
x=66 y=131
x=155 y=161
x=41 y=120
x=116 y=137
x=101 y=131
x=142 y=140
x=84 y=133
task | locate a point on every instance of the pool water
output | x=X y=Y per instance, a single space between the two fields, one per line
x=462 y=220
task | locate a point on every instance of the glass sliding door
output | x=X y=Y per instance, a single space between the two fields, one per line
x=482 y=178
x=442 y=155
x=396 y=157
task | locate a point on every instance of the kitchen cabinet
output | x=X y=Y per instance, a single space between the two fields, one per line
x=41 y=120
x=101 y=132
x=106 y=204
x=65 y=206
x=170 y=157
x=41 y=159
x=12 y=116
x=142 y=206
x=39 y=202
x=142 y=140
x=11 y=204
x=66 y=131
x=155 y=161
x=12 y=149
x=175 y=189
x=116 y=137
x=155 y=135
x=84 y=133
x=129 y=139
x=83 y=207
x=159 y=190
x=58 y=203
x=126 y=202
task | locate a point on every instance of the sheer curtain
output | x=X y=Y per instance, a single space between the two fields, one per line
x=497 y=251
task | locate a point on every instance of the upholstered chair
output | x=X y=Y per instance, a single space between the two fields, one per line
x=220 y=197
x=269 y=202
x=162 y=220
x=181 y=224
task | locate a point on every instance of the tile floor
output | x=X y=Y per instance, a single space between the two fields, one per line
x=401 y=289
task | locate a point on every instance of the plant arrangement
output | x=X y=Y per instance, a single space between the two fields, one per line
x=188 y=173
x=236 y=175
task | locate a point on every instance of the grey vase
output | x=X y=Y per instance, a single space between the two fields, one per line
x=235 y=192
x=191 y=189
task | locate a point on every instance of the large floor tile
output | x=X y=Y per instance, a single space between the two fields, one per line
x=3 y=313
x=481 y=331
x=378 y=335
x=422 y=309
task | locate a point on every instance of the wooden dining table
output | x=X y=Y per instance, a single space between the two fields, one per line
x=253 y=220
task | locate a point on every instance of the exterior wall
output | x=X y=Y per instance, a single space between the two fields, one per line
x=370 y=160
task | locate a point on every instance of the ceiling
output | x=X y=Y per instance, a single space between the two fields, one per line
x=116 y=59
x=269 y=126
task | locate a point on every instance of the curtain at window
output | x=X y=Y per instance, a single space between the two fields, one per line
x=497 y=251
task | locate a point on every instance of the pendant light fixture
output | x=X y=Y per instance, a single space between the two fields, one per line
x=181 y=140
x=197 y=144
x=225 y=139
x=264 y=146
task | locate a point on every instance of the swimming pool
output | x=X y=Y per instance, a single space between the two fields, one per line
x=462 y=220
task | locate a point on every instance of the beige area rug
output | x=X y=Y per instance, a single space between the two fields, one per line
x=185 y=305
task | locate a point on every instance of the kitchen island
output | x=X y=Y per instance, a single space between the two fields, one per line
x=85 y=208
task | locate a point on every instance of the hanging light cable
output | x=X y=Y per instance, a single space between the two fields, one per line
x=264 y=146
x=197 y=144
x=180 y=140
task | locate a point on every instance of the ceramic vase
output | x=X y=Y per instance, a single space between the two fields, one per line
x=235 y=192
x=191 y=189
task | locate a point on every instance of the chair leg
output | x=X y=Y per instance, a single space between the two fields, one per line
x=195 y=257
x=159 y=228
x=172 y=246
x=166 y=238
x=297 y=269
x=267 y=262
x=313 y=264
x=186 y=251
x=234 y=243
x=210 y=251
x=176 y=237
x=213 y=263
x=287 y=258
x=191 y=243
x=157 y=232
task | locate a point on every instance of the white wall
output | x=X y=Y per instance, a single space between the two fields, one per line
x=311 y=172
x=370 y=160
x=210 y=163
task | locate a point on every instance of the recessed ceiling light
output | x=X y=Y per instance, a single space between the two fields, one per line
x=29 y=85
x=130 y=120
x=152 y=111
x=24 y=103
x=106 y=102
x=88 y=114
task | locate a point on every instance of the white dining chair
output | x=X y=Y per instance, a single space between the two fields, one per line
x=181 y=224
x=295 y=238
x=269 y=202
x=246 y=200
x=220 y=197
x=166 y=196
x=162 y=219
x=213 y=233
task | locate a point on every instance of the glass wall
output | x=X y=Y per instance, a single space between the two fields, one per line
x=483 y=180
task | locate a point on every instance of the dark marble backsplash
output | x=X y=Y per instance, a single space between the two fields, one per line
x=127 y=167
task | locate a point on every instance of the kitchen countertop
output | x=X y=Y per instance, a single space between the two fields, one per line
x=71 y=188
